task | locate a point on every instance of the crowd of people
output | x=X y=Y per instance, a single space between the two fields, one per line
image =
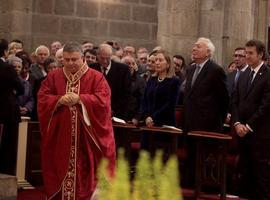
x=92 y=84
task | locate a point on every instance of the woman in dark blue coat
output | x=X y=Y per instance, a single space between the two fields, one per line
x=160 y=96
x=161 y=93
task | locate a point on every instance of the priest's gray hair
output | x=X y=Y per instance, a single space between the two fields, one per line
x=73 y=46
x=14 y=59
x=209 y=45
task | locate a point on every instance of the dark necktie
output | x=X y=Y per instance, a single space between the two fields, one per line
x=104 y=71
x=250 y=79
x=195 y=75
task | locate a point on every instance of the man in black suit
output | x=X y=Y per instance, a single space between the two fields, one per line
x=206 y=96
x=241 y=66
x=10 y=87
x=232 y=78
x=118 y=77
x=251 y=119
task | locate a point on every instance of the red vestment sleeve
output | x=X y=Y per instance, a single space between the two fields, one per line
x=98 y=106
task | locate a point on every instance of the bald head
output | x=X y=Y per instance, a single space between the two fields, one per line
x=59 y=57
x=105 y=48
x=104 y=55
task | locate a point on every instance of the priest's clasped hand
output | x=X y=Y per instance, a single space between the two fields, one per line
x=69 y=99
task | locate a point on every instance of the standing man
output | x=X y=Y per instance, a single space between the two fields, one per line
x=251 y=119
x=37 y=70
x=206 y=96
x=10 y=87
x=55 y=46
x=72 y=148
x=232 y=78
x=118 y=77
x=59 y=58
x=239 y=58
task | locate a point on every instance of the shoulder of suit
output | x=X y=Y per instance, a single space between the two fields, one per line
x=267 y=69
x=119 y=65
x=231 y=74
x=213 y=64
x=175 y=79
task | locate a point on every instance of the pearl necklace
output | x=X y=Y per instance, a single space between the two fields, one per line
x=160 y=79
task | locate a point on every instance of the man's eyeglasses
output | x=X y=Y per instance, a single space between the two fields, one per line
x=239 y=55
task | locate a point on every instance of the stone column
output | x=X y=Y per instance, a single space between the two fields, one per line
x=211 y=24
x=178 y=25
x=239 y=26
x=228 y=24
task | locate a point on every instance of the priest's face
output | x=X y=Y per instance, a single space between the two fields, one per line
x=73 y=61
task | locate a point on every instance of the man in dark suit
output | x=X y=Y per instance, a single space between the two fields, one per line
x=232 y=78
x=206 y=96
x=10 y=87
x=118 y=77
x=241 y=66
x=251 y=119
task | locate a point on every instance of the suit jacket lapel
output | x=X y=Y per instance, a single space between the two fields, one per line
x=201 y=75
x=257 y=78
x=189 y=79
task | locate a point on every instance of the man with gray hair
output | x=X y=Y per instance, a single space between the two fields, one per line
x=118 y=76
x=72 y=148
x=42 y=52
x=206 y=96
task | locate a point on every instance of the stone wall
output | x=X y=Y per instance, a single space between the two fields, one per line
x=39 y=21
x=173 y=24
x=228 y=24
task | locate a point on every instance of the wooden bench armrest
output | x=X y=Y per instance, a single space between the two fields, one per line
x=206 y=134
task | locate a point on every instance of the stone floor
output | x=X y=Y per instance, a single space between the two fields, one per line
x=8 y=187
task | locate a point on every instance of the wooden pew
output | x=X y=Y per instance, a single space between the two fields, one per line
x=211 y=152
x=33 y=156
x=124 y=135
x=153 y=131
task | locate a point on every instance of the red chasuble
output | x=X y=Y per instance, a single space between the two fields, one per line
x=74 y=139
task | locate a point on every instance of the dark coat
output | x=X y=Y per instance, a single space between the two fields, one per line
x=36 y=72
x=160 y=100
x=231 y=82
x=120 y=83
x=137 y=91
x=206 y=103
x=27 y=99
x=253 y=107
x=10 y=87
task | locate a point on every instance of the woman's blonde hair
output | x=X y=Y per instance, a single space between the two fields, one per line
x=170 y=70
x=13 y=45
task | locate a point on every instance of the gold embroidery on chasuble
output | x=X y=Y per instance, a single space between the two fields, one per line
x=69 y=183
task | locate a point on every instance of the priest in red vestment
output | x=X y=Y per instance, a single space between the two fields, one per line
x=75 y=122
